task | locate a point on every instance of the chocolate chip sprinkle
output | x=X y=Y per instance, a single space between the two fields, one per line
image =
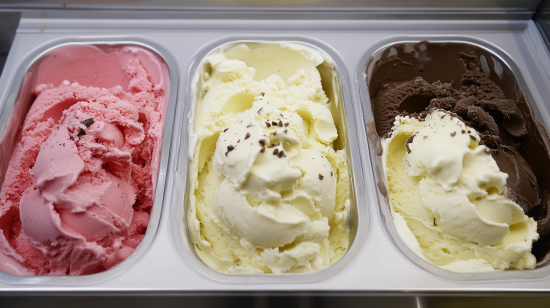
x=473 y=138
x=443 y=116
x=286 y=124
x=425 y=137
x=274 y=123
x=331 y=174
x=225 y=130
x=262 y=142
x=268 y=124
x=321 y=177
x=249 y=125
x=247 y=136
x=81 y=132
x=262 y=150
x=281 y=154
x=275 y=151
x=260 y=110
x=239 y=141
x=285 y=131
x=453 y=134
x=274 y=133
x=280 y=123
x=463 y=131
x=230 y=148
x=88 y=122
x=262 y=94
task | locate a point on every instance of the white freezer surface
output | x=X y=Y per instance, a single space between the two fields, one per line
x=378 y=267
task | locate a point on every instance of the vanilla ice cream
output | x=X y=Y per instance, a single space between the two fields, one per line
x=447 y=190
x=269 y=187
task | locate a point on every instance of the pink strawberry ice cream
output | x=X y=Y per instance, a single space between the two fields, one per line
x=79 y=188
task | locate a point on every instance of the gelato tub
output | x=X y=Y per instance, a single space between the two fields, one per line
x=82 y=164
x=286 y=202
x=460 y=158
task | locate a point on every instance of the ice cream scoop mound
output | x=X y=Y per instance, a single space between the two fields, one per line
x=453 y=197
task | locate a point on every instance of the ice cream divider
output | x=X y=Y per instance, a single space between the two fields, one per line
x=12 y=116
x=337 y=78
x=374 y=159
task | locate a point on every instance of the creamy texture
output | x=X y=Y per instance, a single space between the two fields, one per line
x=270 y=192
x=79 y=188
x=448 y=190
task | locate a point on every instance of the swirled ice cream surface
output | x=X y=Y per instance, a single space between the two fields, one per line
x=270 y=191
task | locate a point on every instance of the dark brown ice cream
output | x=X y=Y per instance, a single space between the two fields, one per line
x=415 y=78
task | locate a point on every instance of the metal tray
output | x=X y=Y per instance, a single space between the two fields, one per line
x=364 y=72
x=378 y=268
x=346 y=130
x=14 y=110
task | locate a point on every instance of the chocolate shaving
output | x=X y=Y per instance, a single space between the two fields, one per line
x=409 y=141
x=225 y=130
x=473 y=138
x=281 y=154
x=81 y=132
x=280 y=123
x=262 y=150
x=425 y=137
x=321 y=177
x=88 y=122
x=247 y=136
x=262 y=94
x=230 y=148
x=260 y=110
x=286 y=124
x=285 y=131
x=453 y=134
x=239 y=141
x=275 y=151
x=331 y=174
x=249 y=125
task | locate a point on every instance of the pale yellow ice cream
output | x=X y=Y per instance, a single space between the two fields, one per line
x=449 y=198
x=269 y=190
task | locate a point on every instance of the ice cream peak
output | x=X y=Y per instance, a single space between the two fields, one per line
x=453 y=196
x=265 y=199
